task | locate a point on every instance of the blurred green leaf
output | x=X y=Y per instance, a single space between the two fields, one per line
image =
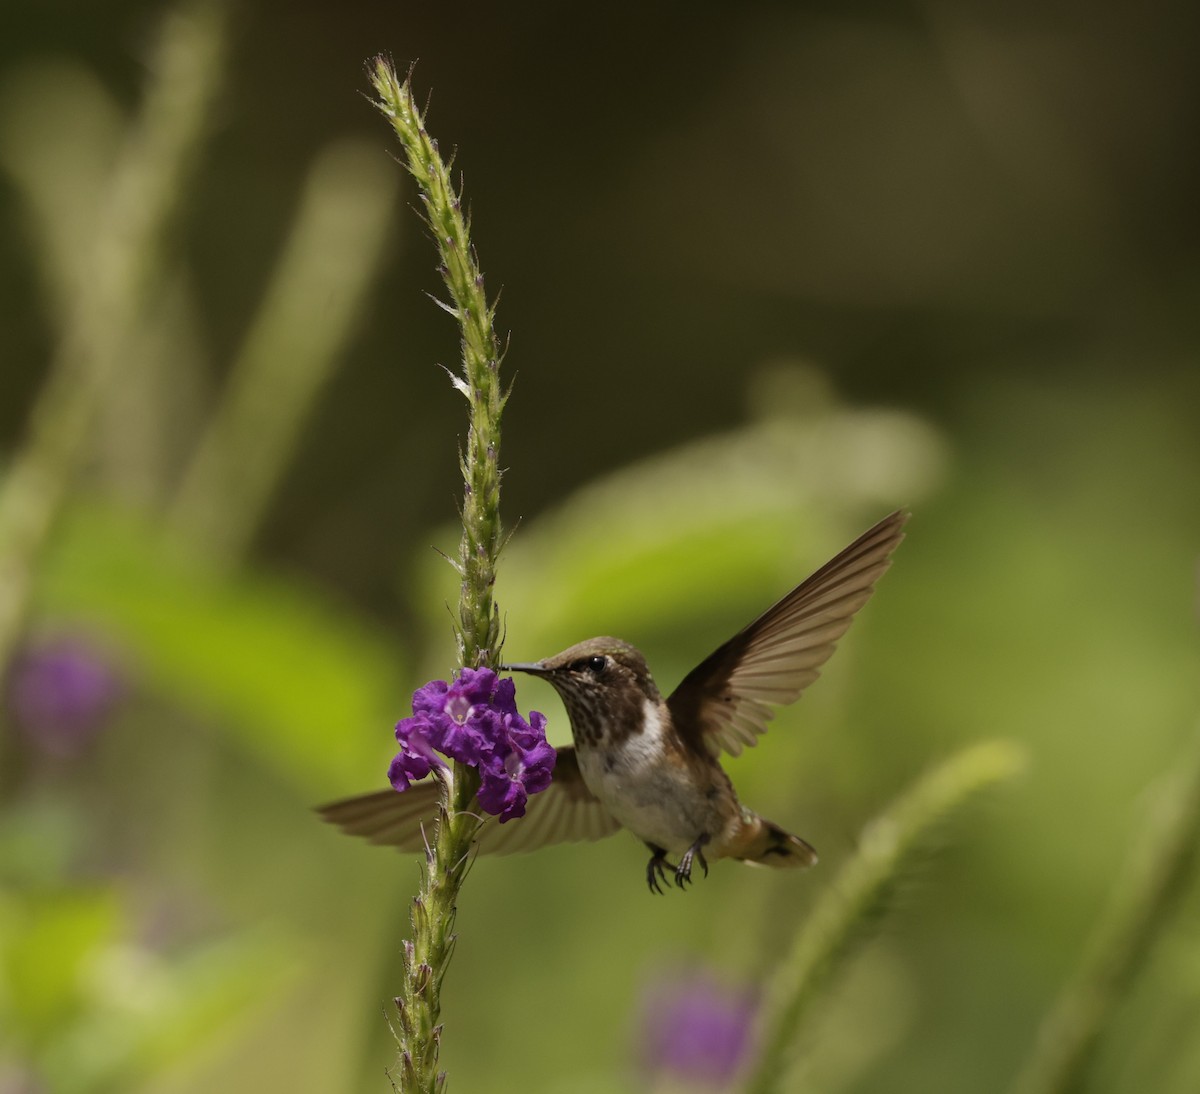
x=147 y=1013
x=678 y=540
x=47 y=938
x=300 y=681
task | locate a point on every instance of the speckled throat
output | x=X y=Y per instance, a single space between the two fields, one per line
x=603 y=717
x=605 y=685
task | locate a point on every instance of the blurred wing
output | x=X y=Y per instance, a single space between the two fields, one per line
x=727 y=700
x=566 y=811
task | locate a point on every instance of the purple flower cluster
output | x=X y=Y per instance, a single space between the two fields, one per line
x=475 y=720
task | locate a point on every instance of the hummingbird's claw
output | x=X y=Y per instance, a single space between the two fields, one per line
x=656 y=869
x=683 y=873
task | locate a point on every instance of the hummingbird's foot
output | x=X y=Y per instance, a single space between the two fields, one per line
x=657 y=868
x=683 y=872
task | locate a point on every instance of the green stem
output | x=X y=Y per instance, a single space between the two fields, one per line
x=861 y=892
x=428 y=953
x=309 y=313
x=1141 y=904
x=146 y=188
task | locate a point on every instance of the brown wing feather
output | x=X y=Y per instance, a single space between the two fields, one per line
x=727 y=700
x=565 y=812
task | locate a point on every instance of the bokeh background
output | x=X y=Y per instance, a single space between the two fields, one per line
x=770 y=271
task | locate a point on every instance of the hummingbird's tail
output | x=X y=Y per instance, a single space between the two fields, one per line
x=772 y=846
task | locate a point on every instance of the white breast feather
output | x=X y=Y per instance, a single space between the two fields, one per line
x=634 y=784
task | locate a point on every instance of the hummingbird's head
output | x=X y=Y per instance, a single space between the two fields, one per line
x=603 y=682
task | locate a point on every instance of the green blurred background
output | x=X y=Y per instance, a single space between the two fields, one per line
x=770 y=271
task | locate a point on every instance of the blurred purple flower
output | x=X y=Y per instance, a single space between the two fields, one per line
x=697 y=1031
x=61 y=693
x=475 y=720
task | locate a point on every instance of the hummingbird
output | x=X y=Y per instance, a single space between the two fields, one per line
x=650 y=764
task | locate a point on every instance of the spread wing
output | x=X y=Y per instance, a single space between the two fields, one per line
x=566 y=811
x=727 y=700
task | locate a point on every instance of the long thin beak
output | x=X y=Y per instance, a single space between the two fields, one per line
x=534 y=668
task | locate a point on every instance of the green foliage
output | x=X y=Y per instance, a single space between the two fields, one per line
x=479 y=382
x=172 y=918
x=1140 y=906
x=687 y=539
x=120 y=274
x=48 y=937
x=88 y=1003
x=311 y=308
x=858 y=897
x=300 y=682
x=428 y=952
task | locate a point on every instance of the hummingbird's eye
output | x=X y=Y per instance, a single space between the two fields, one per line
x=597 y=664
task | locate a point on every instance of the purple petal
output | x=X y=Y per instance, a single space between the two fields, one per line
x=476 y=685
x=62 y=692
x=418 y=724
x=500 y=795
x=504 y=699
x=406 y=768
x=415 y=760
x=525 y=735
x=472 y=743
x=430 y=699
x=538 y=765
